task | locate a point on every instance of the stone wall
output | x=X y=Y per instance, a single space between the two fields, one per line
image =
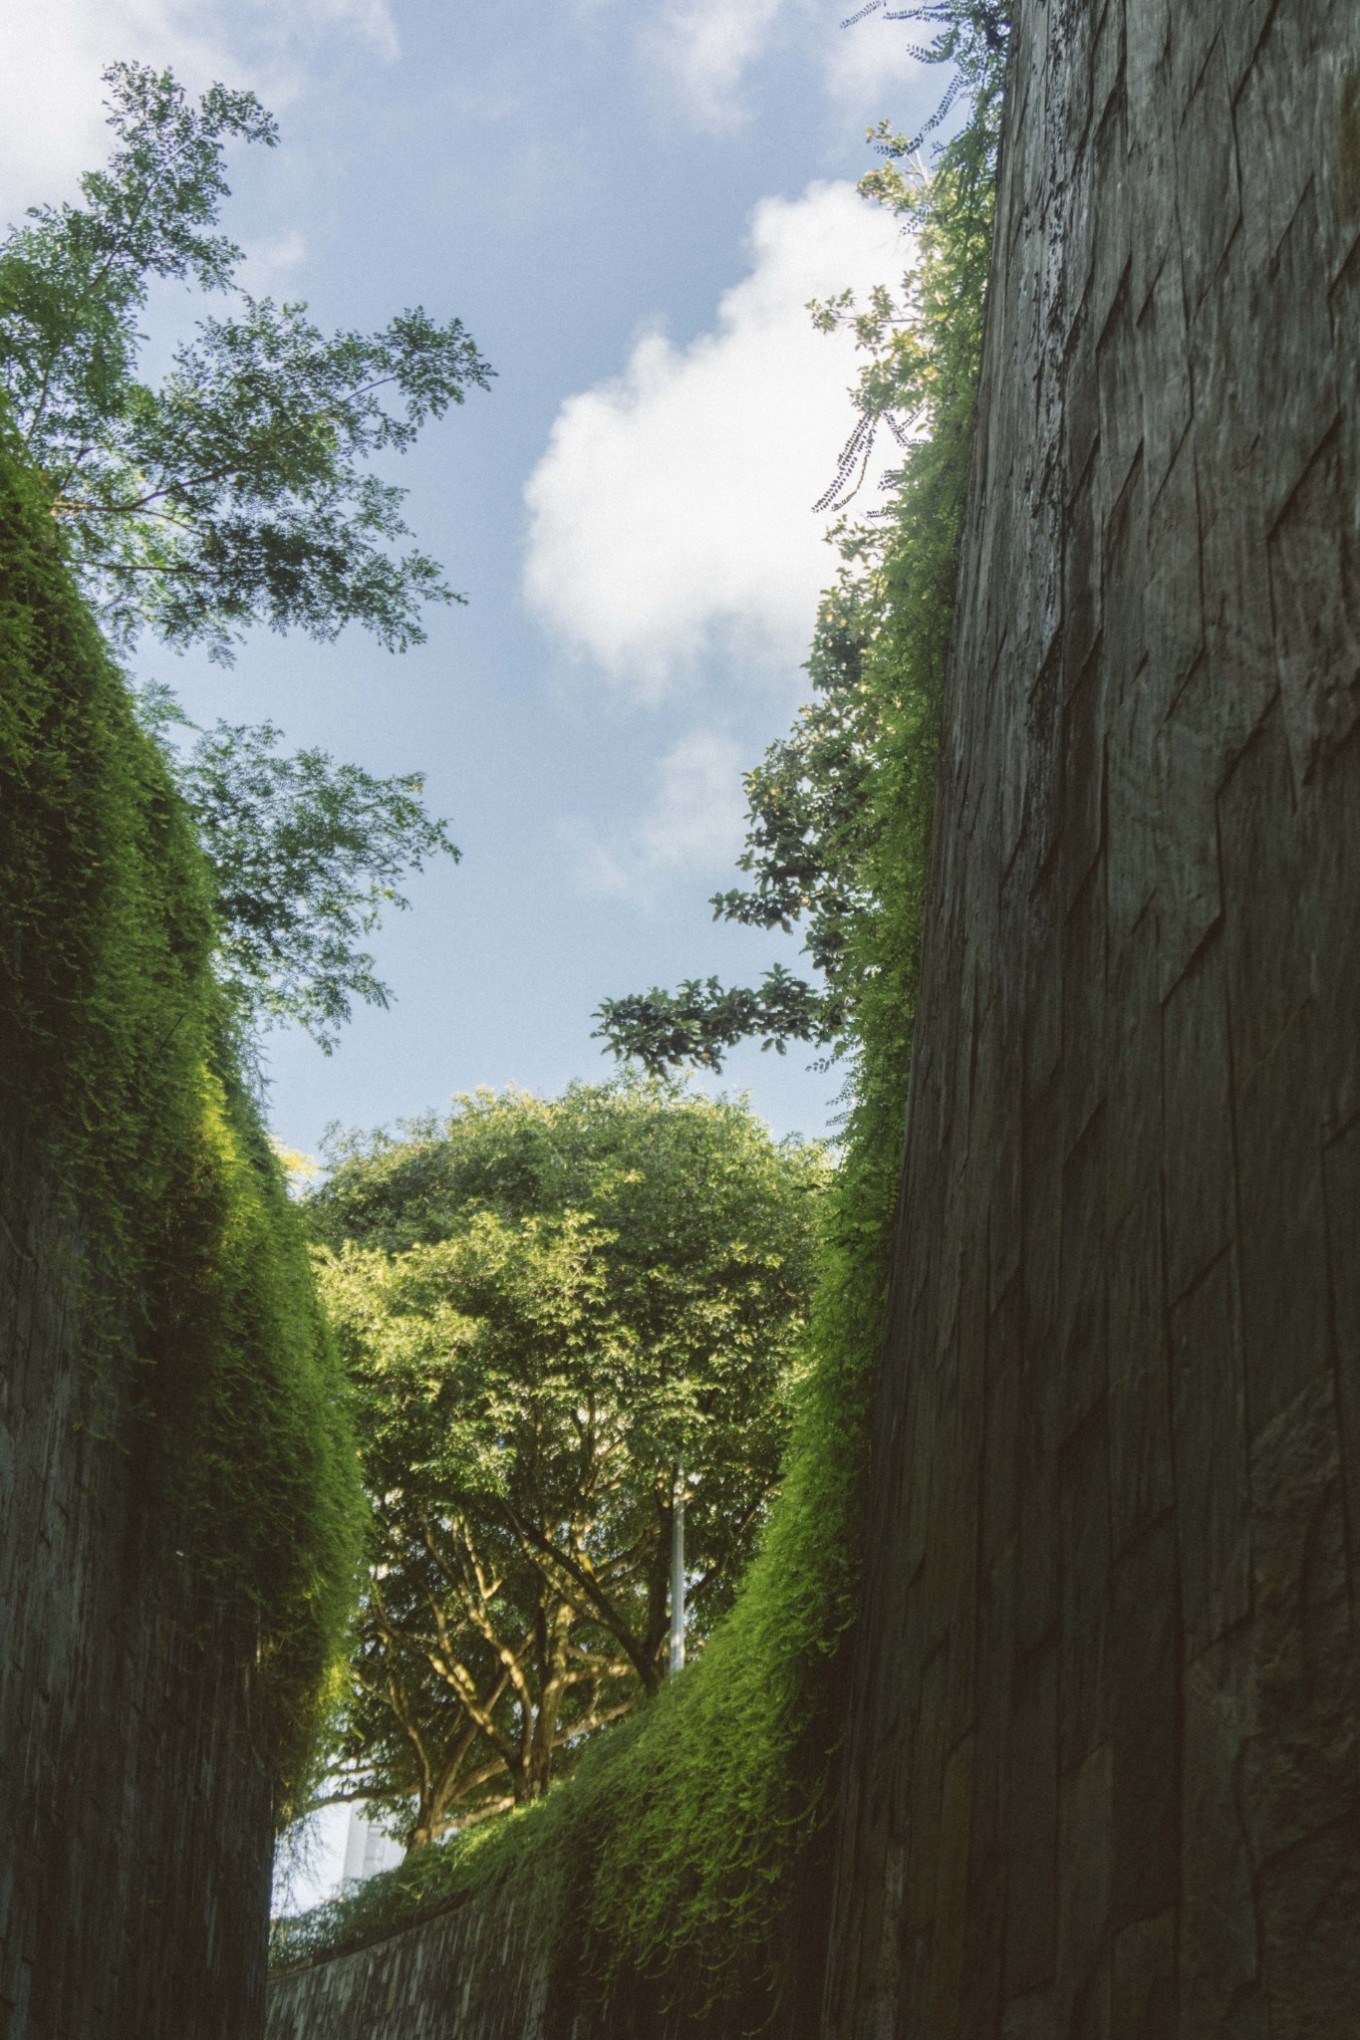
x=478 y=1971
x=1103 y=1756
x=135 y=1824
x=505 y=1963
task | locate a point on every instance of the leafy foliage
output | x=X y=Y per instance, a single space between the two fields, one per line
x=550 y=1308
x=234 y=492
x=208 y=1359
x=678 y=1841
x=817 y=823
x=972 y=37
x=715 y=1807
x=697 y=1024
x=305 y=854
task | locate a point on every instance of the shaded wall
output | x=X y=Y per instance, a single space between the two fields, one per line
x=509 y=1962
x=135 y=1823
x=1103 y=1760
x=479 y=1970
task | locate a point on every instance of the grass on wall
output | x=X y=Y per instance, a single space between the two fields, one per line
x=206 y=1355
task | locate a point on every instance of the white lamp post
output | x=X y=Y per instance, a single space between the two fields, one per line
x=678 y=1573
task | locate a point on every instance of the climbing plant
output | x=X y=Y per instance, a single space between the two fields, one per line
x=818 y=819
x=206 y=1356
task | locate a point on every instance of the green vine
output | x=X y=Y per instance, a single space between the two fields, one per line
x=206 y=1358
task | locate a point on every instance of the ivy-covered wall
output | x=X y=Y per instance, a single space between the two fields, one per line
x=179 y=1500
x=1102 y=1771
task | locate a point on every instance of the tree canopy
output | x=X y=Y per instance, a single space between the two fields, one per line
x=549 y=1308
x=816 y=806
x=234 y=492
x=305 y=854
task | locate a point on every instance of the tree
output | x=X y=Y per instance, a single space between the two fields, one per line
x=549 y=1308
x=818 y=803
x=232 y=493
x=305 y=854
x=229 y=495
x=809 y=815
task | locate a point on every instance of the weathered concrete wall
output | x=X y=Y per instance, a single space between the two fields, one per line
x=479 y=1971
x=506 y=1964
x=1103 y=1762
x=134 y=1822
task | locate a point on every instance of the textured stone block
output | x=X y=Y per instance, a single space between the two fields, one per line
x=1083 y=1515
x=1209 y=1414
x=1311 y=562
x=1284 y=1265
x=1032 y=1890
x=1219 y=1957
x=1085 y=1839
x=1208 y=202
x=1188 y=772
x=1144 y=1993
x=1197 y=1118
x=1141 y=1479
x=1299 y=1771
x=1145 y=1728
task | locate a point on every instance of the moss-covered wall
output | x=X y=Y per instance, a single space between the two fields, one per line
x=505 y=1960
x=178 y=1491
x=1102 y=1774
x=135 y=1816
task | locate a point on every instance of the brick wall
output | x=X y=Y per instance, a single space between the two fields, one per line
x=1103 y=1759
x=135 y=1825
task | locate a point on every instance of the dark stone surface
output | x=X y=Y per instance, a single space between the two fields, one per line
x=503 y=1964
x=135 y=1823
x=1127 y=1490
x=479 y=1971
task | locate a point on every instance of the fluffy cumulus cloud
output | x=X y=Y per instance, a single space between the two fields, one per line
x=671 y=515
x=52 y=52
x=694 y=823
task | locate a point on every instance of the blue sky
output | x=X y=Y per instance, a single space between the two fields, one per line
x=628 y=206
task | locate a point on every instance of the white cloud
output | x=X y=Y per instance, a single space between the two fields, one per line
x=870 y=70
x=704 y=48
x=52 y=52
x=670 y=516
x=695 y=823
x=271 y=262
x=701 y=53
x=369 y=21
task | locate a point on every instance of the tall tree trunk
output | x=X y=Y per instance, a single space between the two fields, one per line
x=554 y=1687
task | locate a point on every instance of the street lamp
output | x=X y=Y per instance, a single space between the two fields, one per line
x=678 y=1573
